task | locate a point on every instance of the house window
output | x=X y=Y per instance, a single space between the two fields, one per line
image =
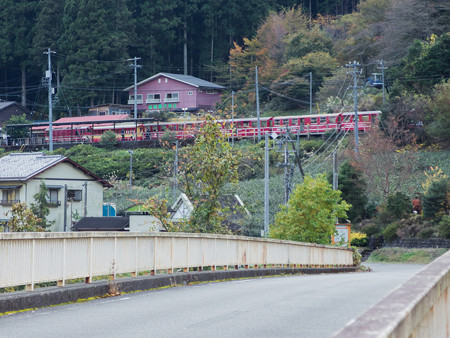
x=190 y=93
x=52 y=199
x=138 y=101
x=210 y=91
x=153 y=98
x=74 y=195
x=10 y=196
x=171 y=97
x=159 y=80
x=165 y=80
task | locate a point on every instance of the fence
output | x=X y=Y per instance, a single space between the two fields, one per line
x=30 y=258
x=418 y=308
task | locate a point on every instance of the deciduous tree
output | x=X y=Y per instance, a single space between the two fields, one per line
x=311 y=212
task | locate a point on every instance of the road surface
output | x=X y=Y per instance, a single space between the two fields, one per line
x=291 y=306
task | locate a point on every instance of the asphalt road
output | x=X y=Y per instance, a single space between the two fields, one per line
x=292 y=306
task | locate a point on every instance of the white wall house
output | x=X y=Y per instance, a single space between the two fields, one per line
x=73 y=190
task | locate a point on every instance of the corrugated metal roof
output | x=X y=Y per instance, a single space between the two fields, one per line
x=191 y=80
x=22 y=166
x=92 y=118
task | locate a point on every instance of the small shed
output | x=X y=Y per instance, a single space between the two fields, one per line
x=183 y=207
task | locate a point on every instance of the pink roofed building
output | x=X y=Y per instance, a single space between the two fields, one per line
x=176 y=93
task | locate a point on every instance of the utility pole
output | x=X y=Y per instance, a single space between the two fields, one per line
x=382 y=67
x=131 y=167
x=355 y=72
x=48 y=79
x=135 y=66
x=257 y=104
x=266 y=186
x=335 y=172
x=175 y=172
x=232 y=117
x=310 y=92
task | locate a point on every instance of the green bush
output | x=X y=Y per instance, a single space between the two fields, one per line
x=444 y=227
x=370 y=228
x=390 y=232
x=436 y=201
x=426 y=233
x=398 y=205
x=356 y=257
x=108 y=138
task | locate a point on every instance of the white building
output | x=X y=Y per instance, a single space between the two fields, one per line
x=73 y=190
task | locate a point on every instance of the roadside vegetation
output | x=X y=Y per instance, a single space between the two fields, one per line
x=404 y=255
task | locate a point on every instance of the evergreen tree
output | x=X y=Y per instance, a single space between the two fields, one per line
x=96 y=42
x=17 y=19
x=40 y=207
x=352 y=186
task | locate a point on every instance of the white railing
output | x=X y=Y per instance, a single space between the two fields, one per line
x=30 y=258
x=418 y=308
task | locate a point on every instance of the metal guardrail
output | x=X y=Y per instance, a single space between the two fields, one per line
x=418 y=308
x=30 y=258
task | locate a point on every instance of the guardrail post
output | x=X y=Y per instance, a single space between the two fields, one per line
x=62 y=282
x=153 y=272
x=91 y=245
x=186 y=269
x=30 y=287
x=171 y=257
x=135 y=273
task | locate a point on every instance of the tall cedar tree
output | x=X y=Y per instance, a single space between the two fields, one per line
x=353 y=188
x=95 y=34
x=17 y=18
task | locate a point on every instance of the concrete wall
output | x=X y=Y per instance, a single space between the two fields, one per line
x=29 y=258
x=418 y=308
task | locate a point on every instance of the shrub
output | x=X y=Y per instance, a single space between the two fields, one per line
x=444 y=227
x=370 y=228
x=398 y=205
x=108 y=138
x=356 y=257
x=390 y=232
x=436 y=201
x=169 y=137
x=358 y=239
x=426 y=233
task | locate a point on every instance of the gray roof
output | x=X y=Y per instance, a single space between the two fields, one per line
x=191 y=80
x=22 y=166
x=101 y=224
x=5 y=104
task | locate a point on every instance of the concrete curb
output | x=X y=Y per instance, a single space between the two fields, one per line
x=22 y=300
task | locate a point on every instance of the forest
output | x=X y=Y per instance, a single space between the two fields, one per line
x=220 y=41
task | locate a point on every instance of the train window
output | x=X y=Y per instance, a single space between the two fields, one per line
x=365 y=118
x=294 y=122
x=285 y=122
x=276 y=122
x=245 y=124
x=332 y=119
x=313 y=119
x=323 y=119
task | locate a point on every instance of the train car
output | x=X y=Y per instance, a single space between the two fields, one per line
x=134 y=130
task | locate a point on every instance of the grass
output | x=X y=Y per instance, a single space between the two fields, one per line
x=403 y=255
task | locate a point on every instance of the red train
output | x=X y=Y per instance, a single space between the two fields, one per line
x=91 y=128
